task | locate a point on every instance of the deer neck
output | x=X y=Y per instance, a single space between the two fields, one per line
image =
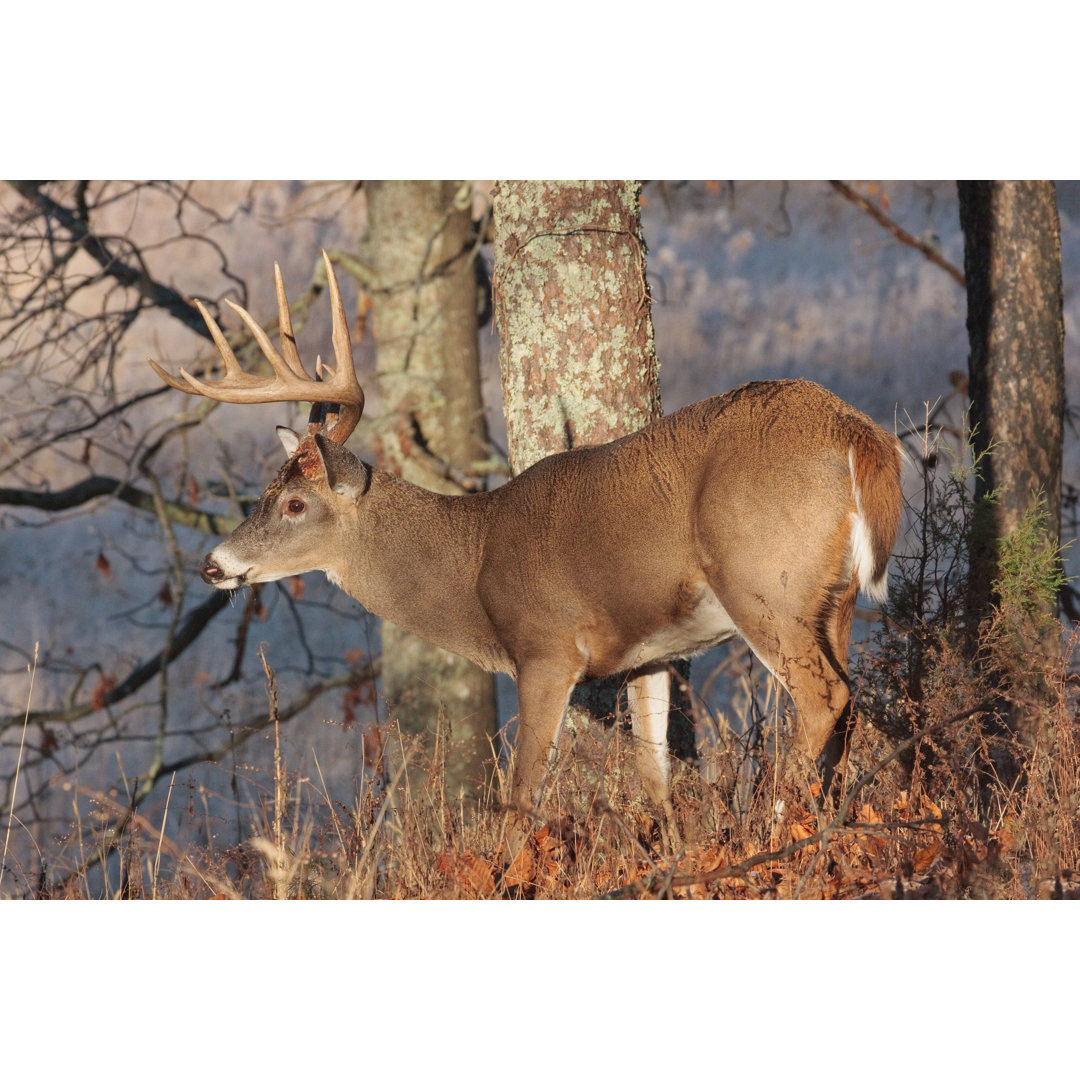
x=412 y=556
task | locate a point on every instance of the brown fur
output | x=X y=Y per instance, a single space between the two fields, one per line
x=733 y=515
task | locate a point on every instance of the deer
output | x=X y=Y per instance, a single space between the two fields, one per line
x=759 y=513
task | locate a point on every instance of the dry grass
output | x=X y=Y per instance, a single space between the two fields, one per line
x=915 y=822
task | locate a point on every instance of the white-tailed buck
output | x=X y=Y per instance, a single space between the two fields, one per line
x=760 y=512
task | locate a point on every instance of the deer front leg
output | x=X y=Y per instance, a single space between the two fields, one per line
x=648 y=694
x=543 y=693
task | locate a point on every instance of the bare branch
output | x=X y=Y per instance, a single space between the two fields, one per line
x=192 y=627
x=159 y=295
x=94 y=487
x=899 y=232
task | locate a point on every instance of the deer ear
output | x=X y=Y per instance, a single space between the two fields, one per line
x=345 y=473
x=289 y=439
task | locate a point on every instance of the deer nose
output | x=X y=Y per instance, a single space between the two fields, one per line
x=211 y=572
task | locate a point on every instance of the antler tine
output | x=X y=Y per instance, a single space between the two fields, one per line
x=188 y=383
x=235 y=377
x=338 y=421
x=176 y=384
x=232 y=365
x=338 y=401
x=285 y=371
x=344 y=373
x=285 y=330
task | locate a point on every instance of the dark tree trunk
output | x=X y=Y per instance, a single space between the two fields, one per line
x=1012 y=264
x=433 y=431
x=577 y=355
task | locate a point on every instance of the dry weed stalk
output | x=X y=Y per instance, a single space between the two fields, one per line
x=32 y=671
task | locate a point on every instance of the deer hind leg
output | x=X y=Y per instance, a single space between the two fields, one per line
x=648 y=694
x=822 y=700
x=808 y=654
x=838 y=638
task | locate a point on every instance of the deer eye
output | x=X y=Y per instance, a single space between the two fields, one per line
x=295 y=507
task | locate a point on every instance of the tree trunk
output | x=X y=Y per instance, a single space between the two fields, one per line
x=1012 y=264
x=576 y=346
x=432 y=432
x=575 y=331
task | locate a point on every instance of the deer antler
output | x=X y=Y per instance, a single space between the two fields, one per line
x=340 y=394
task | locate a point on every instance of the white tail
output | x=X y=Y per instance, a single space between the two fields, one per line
x=759 y=513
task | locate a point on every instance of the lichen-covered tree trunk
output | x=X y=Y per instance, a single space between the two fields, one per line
x=1012 y=264
x=573 y=310
x=432 y=432
x=572 y=306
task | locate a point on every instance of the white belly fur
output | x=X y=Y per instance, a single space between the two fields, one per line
x=707 y=625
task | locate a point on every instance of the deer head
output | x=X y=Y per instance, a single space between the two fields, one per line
x=321 y=481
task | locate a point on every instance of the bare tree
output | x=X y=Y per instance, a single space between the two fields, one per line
x=434 y=434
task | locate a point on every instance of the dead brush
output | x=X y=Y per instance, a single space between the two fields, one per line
x=952 y=701
x=920 y=816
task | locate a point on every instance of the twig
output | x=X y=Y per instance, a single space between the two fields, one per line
x=898 y=231
x=159 y=295
x=128 y=813
x=161 y=834
x=18 y=762
x=279 y=777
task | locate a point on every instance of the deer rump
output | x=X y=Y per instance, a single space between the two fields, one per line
x=759 y=512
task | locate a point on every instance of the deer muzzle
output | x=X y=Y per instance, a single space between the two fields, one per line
x=212 y=574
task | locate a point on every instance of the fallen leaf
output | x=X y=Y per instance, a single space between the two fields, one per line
x=469 y=870
x=522 y=870
x=708 y=859
x=924 y=857
x=1006 y=839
